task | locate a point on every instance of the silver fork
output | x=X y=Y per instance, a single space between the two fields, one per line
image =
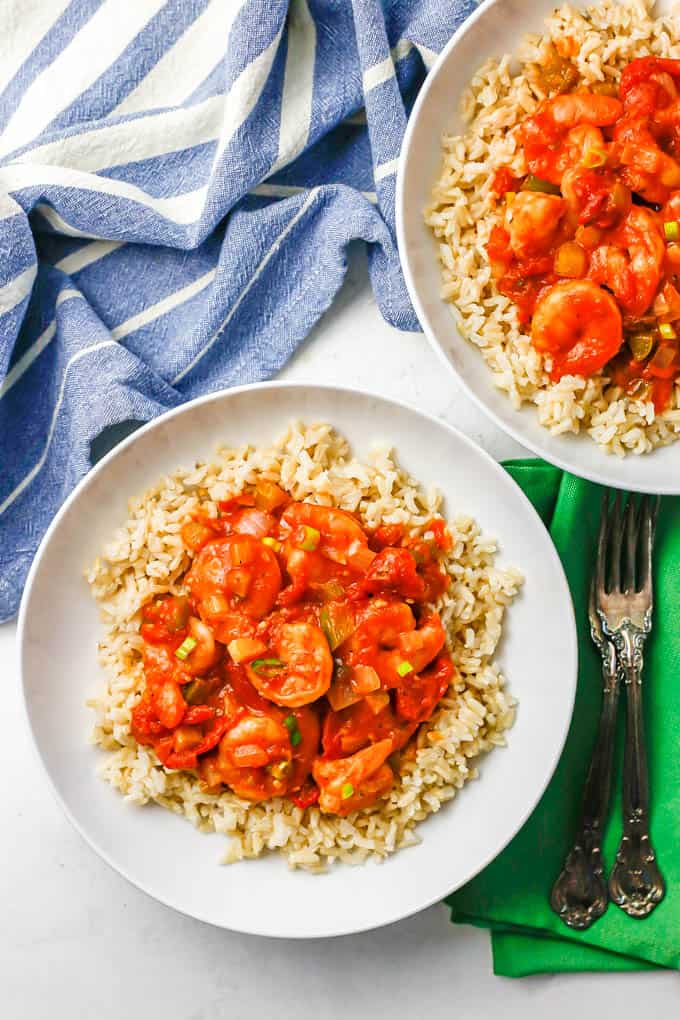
x=624 y=597
x=579 y=896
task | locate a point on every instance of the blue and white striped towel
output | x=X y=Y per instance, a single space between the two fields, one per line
x=179 y=180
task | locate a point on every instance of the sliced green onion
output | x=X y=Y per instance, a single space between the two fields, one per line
x=311 y=539
x=186 y=647
x=594 y=158
x=267 y=667
x=404 y=668
x=347 y=791
x=667 y=331
x=533 y=183
x=272 y=543
x=671 y=229
x=290 y=722
x=295 y=738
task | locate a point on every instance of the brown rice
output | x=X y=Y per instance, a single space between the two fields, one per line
x=146 y=557
x=462 y=214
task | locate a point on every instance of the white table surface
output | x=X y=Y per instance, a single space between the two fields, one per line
x=76 y=941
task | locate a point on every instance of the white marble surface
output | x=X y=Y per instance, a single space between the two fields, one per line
x=77 y=941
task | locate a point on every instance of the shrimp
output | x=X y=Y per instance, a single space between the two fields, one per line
x=258 y=756
x=576 y=108
x=387 y=639
x=647 y=169
x=595 y=196
x=349 y=784
x=298 y=668
x=367 y=722
x=321 y=544
x=631 y=262
x=206 y=653
x=532 y=221
x=579 y=324
x=341 y=537
x=553 y=138
x=648 y=86
x=240 y=569
x=580 y=142
x=417 y=648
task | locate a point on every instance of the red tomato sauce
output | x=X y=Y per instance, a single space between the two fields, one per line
x=600 y=202
x=303 y=655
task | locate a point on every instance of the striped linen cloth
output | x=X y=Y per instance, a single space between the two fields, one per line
x=179 y=180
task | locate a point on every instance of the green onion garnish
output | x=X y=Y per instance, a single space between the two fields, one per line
x=671 y=229
x=290 y=722
x=347 y=791
x=267 y=667
x=186 y=647
x=295 y=738
x=404 y=668
x=311 y=539
x=667 y=331
x=272 y=543
x=594 y=158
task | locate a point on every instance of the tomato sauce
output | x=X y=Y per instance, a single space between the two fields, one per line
x=302 y=654
x=600 y=202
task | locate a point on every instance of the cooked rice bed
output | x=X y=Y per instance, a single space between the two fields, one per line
x=147 y=557
x=462 y=214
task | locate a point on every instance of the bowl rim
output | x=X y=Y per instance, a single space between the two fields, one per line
x=155 y=423
x=545 y=452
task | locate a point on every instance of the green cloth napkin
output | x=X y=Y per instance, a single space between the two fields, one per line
x=510 y=896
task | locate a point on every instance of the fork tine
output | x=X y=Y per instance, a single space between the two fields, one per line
x=599 y=576
x=615 y=535
x=649 y=508
x=630 y=534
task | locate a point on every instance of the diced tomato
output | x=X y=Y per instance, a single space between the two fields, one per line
x=165 y=620
x=198 y=714
x=503 y=181
x=393 y=570
x=308 y=795
x=386 y=534
x=419 y=693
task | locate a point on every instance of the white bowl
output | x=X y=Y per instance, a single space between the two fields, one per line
x=496 y=28
x=163 y=854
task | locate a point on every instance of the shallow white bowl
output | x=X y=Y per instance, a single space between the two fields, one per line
x=496 y=28
x=163 y=854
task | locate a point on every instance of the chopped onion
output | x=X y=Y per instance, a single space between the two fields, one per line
x=214 y=606
x=245 y=649
x=571 y=260
x=252 y=521
x=365 y=680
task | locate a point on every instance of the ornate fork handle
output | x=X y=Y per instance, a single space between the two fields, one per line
x=636 y=884
x=579 y=896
